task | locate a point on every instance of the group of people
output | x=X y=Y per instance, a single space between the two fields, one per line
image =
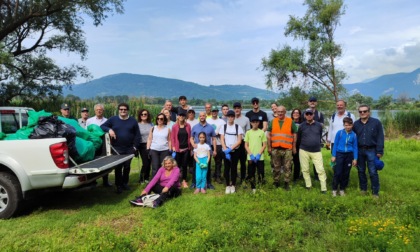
x=176 y=141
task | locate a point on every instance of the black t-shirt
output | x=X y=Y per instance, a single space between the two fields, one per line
x=262 y=117
x=183 y=138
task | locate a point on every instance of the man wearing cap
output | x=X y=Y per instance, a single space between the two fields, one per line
x=225 y=109
x=336 y=122
x=262 y=116
x=231 y=137
x=191 y=120
x=99 y=119
x=217 y=123
x=203 y=126
x=65 y=111
x=317 y=116
x=308 y=139
x=244 y=123
x=183 y=106
x=281 y=142
x=84 y=116
x=370 y=140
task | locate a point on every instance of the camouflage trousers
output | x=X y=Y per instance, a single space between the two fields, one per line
x=282 y=158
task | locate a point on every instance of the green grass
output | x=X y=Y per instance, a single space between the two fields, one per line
x=270 y=220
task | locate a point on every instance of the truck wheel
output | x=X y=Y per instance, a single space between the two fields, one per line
x=10 y=195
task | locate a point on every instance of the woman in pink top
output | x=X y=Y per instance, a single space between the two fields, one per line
x=165 y=183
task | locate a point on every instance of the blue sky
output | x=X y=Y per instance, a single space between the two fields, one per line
x=223 y=42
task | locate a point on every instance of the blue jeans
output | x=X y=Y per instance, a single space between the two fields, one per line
x=367 y=156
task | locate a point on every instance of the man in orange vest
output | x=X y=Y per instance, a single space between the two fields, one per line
x=282 y=135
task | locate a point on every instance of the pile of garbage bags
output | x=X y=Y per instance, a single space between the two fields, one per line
x=82 y=143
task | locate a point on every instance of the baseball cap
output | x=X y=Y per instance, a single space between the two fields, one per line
x=214 y=108
x=65 y=106
x=309 y=111
x=85 y=109
x=254 y=118
x=255 y=99
x=230 y=113
x=312 y=98
x=379 y=164
x=237 y=105
x=191 y=111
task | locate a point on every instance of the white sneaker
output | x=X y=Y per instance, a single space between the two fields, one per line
x=227 y=190
x=254 y=191
x=232 y=189
x=334 y=193
x=342 y=193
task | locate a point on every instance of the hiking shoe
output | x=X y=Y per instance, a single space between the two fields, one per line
x=334 y=193
x=137 y=202
x=192 y=186
x=227 y=190
x=232 y=189
x=184 y=184
x=286 y=186
x=342 y=193
x=196 y=191
x=203 y=191
x=210 y=186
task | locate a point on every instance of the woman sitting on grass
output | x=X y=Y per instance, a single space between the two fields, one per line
x=165 y=183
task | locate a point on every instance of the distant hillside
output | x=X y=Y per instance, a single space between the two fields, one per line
x=152 y=86
x=390 y=84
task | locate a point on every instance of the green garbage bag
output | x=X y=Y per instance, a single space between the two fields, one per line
x=34 y=117
x=95 y=135
x=86 y=150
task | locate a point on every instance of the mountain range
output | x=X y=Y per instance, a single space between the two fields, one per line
x=151 y=86
x=137 y=85
x=391 y=84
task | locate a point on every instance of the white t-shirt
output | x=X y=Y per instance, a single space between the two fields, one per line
x=216 y=124
x=230 y=135
x=192 y=122
x=202 y=150
x=337 y=125
x=95 y=120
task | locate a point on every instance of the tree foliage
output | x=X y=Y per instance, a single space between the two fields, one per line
x=316 y=64
x=30 y=30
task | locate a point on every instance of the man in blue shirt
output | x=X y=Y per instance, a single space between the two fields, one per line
x=125 y=138
x=370 y=139
x=203 y=126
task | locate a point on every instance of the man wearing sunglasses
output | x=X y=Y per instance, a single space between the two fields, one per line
x=125 y=138
x=262 y=116
x=370 y=137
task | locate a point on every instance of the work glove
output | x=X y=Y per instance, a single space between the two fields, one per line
x=252 y=157
x=227 y=156
x=173 y=154
x=203 y=165
x=257 y=157
x=227 y=151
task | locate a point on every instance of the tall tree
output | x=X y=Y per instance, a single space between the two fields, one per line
x=286 y=66
x=29 y=30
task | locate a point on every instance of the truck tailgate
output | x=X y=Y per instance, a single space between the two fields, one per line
x=99 y=164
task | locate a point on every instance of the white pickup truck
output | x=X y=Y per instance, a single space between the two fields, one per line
x=33 y=165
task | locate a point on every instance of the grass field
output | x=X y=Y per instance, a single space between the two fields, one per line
x=270 y=220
